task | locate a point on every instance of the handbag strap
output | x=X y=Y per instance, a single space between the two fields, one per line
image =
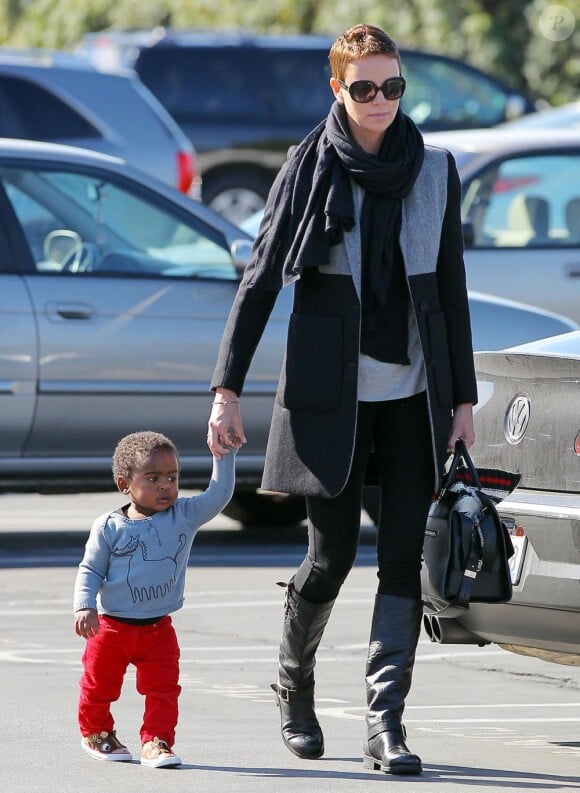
x=460 y=453
x=473 y=566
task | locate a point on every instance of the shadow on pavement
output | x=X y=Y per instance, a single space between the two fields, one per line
x=229 y=547
x=458 y=775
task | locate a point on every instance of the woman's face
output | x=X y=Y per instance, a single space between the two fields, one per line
x=368 y=121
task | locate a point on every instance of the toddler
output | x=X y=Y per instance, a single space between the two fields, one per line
x=131 y=578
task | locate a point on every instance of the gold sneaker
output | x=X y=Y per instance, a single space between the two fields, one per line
x=106 y=746
x=156 y=754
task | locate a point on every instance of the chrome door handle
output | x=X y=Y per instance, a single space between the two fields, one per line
x=573 y=270
x=69 y=313
x=74 y=311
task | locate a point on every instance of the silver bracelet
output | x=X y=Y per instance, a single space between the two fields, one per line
x=227 y=402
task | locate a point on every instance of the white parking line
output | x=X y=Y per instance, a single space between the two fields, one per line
x=357 y=713
x=526 y=720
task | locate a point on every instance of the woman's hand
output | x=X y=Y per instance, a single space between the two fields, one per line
x=225 y=430
x=462 y=426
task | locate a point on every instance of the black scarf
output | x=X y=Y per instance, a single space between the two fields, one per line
x=310 y=205
x=387 y=178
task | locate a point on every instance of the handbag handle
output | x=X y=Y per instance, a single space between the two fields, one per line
x=459 y=454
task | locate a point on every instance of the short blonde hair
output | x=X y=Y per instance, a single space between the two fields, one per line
x=360 y=41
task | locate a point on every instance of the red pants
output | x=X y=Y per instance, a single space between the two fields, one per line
x=154 y=651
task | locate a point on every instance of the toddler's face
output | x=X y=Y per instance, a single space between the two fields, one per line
x=153 y=487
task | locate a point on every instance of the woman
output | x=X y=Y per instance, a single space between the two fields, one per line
x=378 y=379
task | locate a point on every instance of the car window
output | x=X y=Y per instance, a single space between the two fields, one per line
x=443 y=95
x=208 y=83
x=30 y=111
x=526 y=201
x=79 y=223
x=289 y=73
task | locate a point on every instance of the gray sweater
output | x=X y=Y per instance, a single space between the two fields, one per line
x=136 y=568
x=378 y=381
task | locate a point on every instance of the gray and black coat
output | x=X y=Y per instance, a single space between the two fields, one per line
x=313 y=425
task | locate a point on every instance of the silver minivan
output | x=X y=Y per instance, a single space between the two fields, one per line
x=61 y=98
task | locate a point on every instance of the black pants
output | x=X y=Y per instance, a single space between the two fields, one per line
x=400 y=434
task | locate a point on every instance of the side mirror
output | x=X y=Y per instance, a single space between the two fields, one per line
x=468 y=233
x=515 y=107
x=241 y=251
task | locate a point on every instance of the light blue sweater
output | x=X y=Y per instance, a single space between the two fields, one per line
x=136 y=568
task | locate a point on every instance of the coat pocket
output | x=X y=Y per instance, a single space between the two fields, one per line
x=440 y=361
x=312 y=372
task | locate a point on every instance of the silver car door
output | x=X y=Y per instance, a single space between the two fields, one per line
x=18 y=365
x=131 y=298
x=18 y=360
x=18 y=344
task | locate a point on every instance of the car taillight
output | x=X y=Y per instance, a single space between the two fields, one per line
x=185 y=170
x=577 y=444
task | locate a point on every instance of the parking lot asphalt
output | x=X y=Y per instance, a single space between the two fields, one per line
x=482 y=719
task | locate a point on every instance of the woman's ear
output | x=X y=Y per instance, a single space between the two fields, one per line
x=336 y=89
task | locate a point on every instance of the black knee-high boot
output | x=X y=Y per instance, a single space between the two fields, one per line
x=304 y=624
x=394 y=635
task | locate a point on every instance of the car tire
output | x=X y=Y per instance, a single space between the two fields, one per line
x=260 y=510
x=265 y=510
x=236 y=194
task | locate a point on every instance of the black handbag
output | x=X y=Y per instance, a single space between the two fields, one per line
x=467 y=547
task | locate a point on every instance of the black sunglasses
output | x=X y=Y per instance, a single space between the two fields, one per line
x=365 y=90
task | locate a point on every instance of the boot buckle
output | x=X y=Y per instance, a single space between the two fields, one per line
x=283 y=693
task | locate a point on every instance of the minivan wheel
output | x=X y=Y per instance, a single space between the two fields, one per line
x=236 y=194
x=265 y=509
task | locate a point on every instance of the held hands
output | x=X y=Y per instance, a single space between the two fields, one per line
x=86 y=623
x=225 y=430
x=462 y=426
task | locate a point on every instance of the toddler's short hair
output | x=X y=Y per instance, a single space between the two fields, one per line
x=135 y=449
x=360 y=41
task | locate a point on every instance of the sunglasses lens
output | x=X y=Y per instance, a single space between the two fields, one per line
x=363 y=91
x=394 y=88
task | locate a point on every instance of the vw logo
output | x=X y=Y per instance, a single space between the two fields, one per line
x=517 y=418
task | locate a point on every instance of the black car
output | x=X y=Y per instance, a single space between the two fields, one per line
x=244 y=99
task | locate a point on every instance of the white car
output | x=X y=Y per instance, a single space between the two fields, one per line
x=521 y=211
x=563 y=117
